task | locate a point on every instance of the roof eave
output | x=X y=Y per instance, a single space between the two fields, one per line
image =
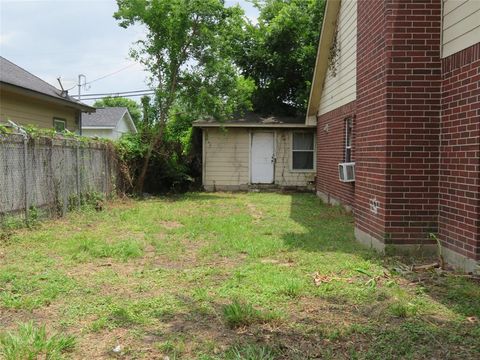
x=36 y=94
x=278 y=126
x=327 y=34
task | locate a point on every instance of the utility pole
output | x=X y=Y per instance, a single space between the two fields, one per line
x=80 y=77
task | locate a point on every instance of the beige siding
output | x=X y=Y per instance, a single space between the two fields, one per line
x=341 y=89
x=26 y=111
x=284 y=176
x=227 y=160
x=461 y=25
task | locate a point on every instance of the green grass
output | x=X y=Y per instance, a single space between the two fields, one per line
x=250 y=352
x=239 y=314
x=32 y=342
x=226 y=276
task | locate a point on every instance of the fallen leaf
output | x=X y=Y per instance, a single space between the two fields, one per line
x=472 y=319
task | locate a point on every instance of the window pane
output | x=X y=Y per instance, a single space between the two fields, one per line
x=302 y=141
x=302 y=160
x=59 y=125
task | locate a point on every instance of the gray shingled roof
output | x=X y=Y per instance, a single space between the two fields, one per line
x=14 y=75
x=106 y=117
x=254 y=119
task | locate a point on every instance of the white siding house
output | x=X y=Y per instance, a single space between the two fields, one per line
x=110 y=123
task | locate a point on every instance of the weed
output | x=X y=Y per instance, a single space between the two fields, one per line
x=32 y=342
x=123 y=317
x=403 y=310
x=250 y=352
x=292 y=288
x=239 y=314
x=173 y=347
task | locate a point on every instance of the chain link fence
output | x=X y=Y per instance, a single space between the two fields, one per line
x=50 y=176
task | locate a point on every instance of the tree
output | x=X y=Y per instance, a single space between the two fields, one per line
x=279 y=53
x=188 y=52
x=131 y=105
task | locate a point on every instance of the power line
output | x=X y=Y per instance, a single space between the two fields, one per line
x=110 y=74
x=117 y=93
x=114 y=95
x=105 y=76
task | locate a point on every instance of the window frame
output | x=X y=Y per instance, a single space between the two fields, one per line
x=314 y=151
x=348 y=145
x=59 y=120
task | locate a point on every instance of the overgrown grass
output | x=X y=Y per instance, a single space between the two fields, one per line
x=228 y=276
x=32 y=342
x=243 y=314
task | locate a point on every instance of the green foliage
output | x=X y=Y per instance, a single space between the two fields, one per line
x=132 y=106
x=31 y=342
x=169 y=166
x=188 y=51
x=279 y=53
x=5 y=130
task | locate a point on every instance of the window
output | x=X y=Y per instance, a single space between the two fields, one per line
x=348 y=139
x=303 y=150
x=59 y=125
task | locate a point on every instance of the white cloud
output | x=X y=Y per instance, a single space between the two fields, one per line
x=67 y=38
x=6 y=38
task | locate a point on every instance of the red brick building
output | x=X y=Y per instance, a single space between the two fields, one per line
x=396 y=100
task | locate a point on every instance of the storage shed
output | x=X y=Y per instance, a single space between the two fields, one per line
x=257 y=151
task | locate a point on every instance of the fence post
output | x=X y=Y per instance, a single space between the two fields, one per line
x=79 y=187
x=25 y=180
x=106 y=169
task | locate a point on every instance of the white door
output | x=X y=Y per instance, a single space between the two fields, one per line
x=262 y=157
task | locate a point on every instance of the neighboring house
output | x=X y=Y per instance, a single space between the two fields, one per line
x=110 y=123
x=28 y=100
x=255 y=151
x=396 y=91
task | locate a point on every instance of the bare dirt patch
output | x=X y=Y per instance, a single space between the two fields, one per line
x=256 y=214
x=170 y=224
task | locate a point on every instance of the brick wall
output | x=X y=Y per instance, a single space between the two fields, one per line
x=417 y=132
x=459 y=218
x=413 y=119
x=330 y=152
x=398 y=117
x=371 y=119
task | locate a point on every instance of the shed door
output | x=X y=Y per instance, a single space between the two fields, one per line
x=262 y=157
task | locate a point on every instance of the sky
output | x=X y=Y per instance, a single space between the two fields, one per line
x=65 y=38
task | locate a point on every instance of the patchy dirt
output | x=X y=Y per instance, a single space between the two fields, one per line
x=170 y=224
x=256 y=214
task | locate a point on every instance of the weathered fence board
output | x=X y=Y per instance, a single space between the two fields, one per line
x=52 y=174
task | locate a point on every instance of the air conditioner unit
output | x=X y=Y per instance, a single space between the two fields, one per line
x=346 y=172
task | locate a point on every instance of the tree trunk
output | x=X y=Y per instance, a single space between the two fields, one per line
x=146 y=161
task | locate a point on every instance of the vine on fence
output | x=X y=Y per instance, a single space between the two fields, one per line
x=43 y=173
